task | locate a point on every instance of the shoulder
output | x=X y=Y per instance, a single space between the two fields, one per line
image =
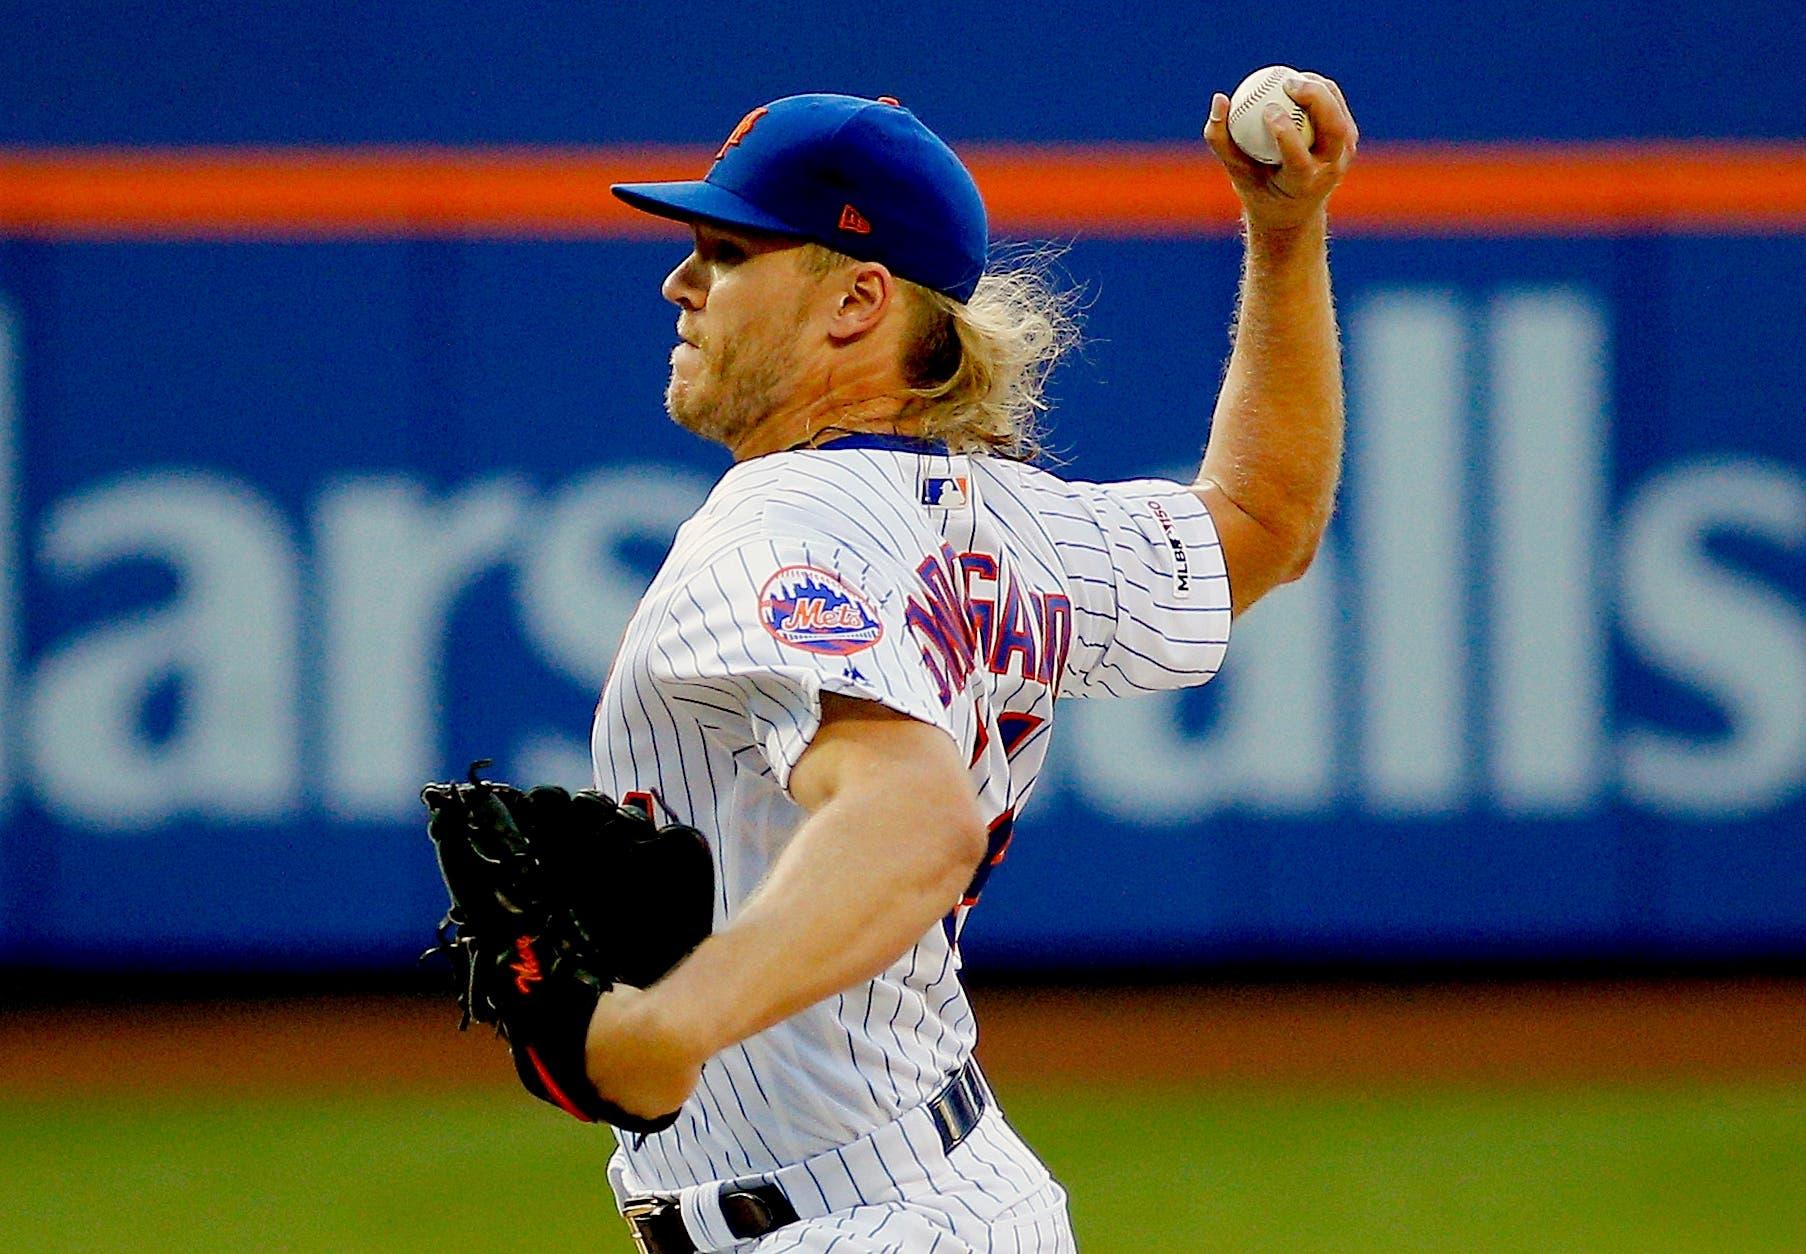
x=1032 y=504
x=1008 y=470
x=1024 y=482
x=860 y=500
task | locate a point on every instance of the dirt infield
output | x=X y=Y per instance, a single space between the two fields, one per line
x=1517 y=1033
x=1484 y=1033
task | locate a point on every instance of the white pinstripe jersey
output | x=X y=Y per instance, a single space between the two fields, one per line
x=966 y=592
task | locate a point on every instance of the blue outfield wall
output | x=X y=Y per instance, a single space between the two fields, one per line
x=79 y=72
x=294 y=527
x=288 y=527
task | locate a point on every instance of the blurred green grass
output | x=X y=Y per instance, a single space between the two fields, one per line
x=1684 y=1167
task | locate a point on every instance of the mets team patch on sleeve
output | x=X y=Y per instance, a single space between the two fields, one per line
x=815 y=610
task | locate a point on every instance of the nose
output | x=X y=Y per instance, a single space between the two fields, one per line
x=683 y=286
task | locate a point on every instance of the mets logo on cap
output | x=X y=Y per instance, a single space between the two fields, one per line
x=815 y=610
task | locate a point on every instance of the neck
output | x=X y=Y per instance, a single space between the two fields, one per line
x=806 y=425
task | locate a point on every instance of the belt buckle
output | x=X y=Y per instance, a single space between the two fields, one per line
x=644 y=1210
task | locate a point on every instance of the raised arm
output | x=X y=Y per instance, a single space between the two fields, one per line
x=892 y=839
x=1275 y=451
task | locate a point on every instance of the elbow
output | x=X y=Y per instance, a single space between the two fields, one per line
x=964 y=847
x=944 y=834
x=1268 y=541
x=1297 y=542
x=971 y=841
x=1307 y=524
x=1302 y=552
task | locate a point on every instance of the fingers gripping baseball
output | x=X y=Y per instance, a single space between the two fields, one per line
x=1295 y=190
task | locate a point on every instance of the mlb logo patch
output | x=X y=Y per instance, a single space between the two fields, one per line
x=815 y=610
x=946 y=493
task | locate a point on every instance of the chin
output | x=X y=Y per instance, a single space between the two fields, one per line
x=682 y=407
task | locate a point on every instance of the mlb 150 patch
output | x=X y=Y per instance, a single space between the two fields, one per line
x=815 y=610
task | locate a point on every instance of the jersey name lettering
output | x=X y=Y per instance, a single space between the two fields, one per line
x=1019 y=631
x=986 y=615
x=949 y=648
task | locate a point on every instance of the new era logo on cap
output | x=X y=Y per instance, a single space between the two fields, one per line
x=852 y=220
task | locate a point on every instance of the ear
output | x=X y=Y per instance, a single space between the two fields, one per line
x=864 y=297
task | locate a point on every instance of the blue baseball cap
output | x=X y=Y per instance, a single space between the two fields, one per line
x=863 y=177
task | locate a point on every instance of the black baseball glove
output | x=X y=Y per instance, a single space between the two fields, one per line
x=556 y=897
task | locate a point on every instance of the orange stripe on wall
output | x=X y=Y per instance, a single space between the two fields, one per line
x=233 y=193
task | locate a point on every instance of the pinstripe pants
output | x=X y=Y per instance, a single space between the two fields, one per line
x=991 y=1195
x=897 y=1191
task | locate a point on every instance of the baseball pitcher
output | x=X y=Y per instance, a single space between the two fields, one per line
x=741 y=947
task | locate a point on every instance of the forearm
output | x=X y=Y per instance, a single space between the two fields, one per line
x=1275 y=445
x=861 y=881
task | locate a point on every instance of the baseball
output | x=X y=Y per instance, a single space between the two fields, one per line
x=1247 y=108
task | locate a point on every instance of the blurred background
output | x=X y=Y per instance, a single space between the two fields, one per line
x=1466 y=910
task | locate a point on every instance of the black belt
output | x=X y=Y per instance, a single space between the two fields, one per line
x=752 y=1211
x=657 y=1223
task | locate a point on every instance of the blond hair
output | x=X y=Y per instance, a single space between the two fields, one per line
x=979 y=369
